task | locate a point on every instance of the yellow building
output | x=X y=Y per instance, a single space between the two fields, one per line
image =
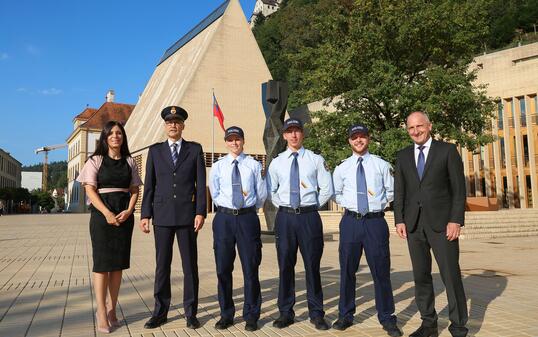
x=506 y=169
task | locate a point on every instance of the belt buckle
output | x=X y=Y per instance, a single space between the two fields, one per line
x=297 y=210
x=359 y=215
x=235 y=212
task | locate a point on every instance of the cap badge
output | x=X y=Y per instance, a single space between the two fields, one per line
x=173 y=111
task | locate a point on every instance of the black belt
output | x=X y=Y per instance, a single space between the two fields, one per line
x=299 y=210
x=251 y=209
x=367 y=215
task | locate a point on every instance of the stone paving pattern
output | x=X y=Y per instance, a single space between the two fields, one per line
x=45 y=286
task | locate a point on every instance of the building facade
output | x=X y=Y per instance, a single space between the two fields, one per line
x=82 y=143
x=506 y=170
x=218 y=56
x=10 y=171
x=31 y=180
x=264 y=8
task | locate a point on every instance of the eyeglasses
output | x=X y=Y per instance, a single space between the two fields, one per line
x=172 y=122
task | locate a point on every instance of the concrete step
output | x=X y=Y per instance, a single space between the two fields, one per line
x=478 y=225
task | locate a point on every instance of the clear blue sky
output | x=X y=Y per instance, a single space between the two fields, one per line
x=58 y=56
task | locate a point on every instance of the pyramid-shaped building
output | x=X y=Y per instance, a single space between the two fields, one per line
x=219 y=54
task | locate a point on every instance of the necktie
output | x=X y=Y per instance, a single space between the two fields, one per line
x=295 y=192
x=421 y=162
x=237 y=192
x=174 y=153
x=362 y=190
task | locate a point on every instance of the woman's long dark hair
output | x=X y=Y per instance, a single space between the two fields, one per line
x=102 y=145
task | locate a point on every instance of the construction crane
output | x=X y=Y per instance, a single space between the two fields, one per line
x=46 y=149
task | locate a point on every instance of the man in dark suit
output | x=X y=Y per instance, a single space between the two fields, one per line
x=429 y=207
x=174 y=197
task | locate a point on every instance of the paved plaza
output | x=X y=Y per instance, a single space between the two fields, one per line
x=45 y=286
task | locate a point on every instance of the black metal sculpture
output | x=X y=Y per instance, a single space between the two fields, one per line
x=274 y=101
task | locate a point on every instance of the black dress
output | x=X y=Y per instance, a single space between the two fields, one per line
x=112 y=244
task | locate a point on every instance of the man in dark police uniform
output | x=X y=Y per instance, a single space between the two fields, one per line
x=174 y=197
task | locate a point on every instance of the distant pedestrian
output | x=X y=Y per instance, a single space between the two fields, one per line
x=110 y=178
x=1 y=208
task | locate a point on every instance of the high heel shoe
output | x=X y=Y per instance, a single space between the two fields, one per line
x=99 y=329
x=113 y=323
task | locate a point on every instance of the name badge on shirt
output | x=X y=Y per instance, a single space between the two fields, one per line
x=371 y=192
x=244 y=193
x=303 y=184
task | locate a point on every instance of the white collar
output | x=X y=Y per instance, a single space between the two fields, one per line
x=426 y=145
x=170 y=143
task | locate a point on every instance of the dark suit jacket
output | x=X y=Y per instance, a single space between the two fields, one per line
x=440 y=195
x=173 y=195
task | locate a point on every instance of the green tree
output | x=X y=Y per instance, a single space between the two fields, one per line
x=43 y=199
x=507 y=17
x=380 y=60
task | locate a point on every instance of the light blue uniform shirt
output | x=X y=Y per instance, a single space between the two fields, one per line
x=252 y=184
x=315 y=181
x=379 y=182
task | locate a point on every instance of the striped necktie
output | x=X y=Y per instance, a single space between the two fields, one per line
x=175 y=155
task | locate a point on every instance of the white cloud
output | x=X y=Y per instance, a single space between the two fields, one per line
x=50 y=91
x=3 y=56
x=22 y=89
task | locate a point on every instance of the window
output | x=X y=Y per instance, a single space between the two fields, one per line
x=526 y=150
x=500 y=115
x=503 y=160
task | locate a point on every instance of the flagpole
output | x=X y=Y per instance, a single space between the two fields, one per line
x=213 y=128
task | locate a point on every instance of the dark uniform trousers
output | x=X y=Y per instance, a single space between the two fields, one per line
x=303 y=231
x=446 y=253
x=372 y=236
x=164 y=243
x=243 y=230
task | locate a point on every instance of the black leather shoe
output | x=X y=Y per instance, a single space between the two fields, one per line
x=342 y=324
x=283 y=322
x=320 y=323
x=425 y=331
x=392 y=330
x=458 y=331
x=155 y=322
x=224 y=323
x=193 y=322
x=251 y=326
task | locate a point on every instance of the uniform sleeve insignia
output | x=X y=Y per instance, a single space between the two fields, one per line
x=391 y=170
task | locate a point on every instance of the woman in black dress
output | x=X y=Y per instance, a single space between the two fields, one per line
x=110 y=178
